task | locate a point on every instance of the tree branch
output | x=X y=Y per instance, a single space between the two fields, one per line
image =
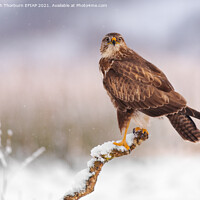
x=86 y=179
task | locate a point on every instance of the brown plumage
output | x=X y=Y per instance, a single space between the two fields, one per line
x=135 y=85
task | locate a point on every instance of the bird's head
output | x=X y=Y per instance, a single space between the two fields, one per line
x=111 y=44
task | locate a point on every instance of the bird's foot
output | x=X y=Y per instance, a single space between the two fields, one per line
x=123 y=143
x=143 y=130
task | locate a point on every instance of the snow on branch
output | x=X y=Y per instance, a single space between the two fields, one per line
x=86 y=179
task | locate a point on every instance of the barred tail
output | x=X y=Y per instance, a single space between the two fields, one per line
x=191 y=112
x=184 y=125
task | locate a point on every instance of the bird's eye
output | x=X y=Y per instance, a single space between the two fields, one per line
x=120 y=39
x=107 y=39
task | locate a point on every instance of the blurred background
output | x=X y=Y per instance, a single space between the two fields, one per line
x=50 y=85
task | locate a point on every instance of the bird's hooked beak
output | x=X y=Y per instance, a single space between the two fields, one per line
x=113 y=41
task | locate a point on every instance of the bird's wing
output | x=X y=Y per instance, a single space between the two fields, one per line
x=142 y=88
x=143 y=71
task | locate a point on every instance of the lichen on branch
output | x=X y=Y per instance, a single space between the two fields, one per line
x=87 y=178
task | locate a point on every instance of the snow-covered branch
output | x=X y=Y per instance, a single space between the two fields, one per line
x=86 y=179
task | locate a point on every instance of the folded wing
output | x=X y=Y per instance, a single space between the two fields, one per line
x=142 y=87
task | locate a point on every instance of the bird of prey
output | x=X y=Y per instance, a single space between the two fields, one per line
x=137 y=86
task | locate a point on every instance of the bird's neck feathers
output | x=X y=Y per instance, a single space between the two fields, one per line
x=112 y=52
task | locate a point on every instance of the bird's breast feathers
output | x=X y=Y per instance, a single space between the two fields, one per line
x=111 y=51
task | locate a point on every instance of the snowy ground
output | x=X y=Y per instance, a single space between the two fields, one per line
x=123 y=178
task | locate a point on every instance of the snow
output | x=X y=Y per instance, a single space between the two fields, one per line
x=171 y=177
x=2 y=159
x=107 y=147
x=10 y=132
x=104 y=149
x=90 y=163
x=79 y=182
x=8 y=150
x=33 y=156
x=129 y=138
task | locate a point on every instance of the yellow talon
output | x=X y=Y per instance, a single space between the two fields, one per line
x=122 y=143
x=142 y=129
x=137 y=129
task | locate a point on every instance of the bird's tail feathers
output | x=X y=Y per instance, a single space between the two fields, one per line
x=191 y=112
x=185 y=126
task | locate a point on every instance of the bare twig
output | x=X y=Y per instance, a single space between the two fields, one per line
x=101 y=155
x=26 y=162
x=4 y=157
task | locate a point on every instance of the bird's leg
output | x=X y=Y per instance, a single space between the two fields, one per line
x=123 y=142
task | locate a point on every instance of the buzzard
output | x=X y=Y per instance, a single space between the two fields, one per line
x=137 y=86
